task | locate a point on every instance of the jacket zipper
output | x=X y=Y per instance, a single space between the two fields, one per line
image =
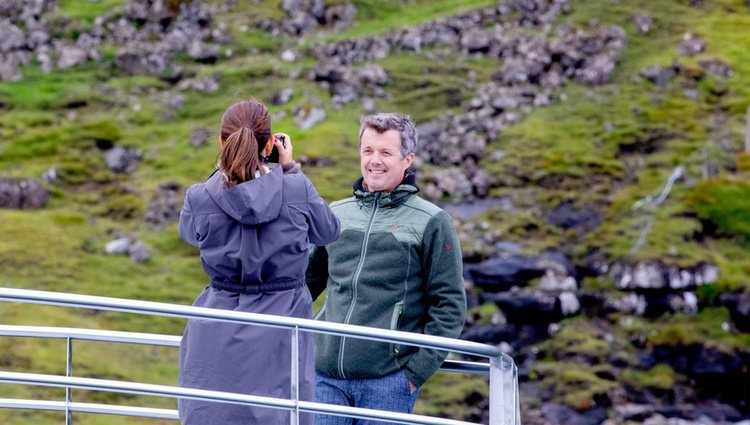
x=398 y=310
x=355 y=280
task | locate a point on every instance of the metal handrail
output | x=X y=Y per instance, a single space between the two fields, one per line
x=163 y=340
x=103 y=409
x=501 y=411
x=219 y=396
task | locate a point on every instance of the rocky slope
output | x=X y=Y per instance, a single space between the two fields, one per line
x=590 y=153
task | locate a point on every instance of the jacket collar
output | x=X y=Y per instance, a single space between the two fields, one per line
x=398 y=196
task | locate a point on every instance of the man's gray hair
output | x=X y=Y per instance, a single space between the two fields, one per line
x=385 y=121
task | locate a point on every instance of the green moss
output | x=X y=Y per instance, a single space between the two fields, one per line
x=483 y=313
x=577 y=339
x=376 y=18
x=452 y=395
x=575 y=385
x=659 y=377
x=725 y=204
x=124 y=206
x=88 y=11
x=703 y=328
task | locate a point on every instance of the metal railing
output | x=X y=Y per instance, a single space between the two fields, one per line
x=503 y=376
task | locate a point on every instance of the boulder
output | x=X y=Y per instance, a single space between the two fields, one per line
x=738 y=305
x=502 y=273
x=22 y=194
x=123 y=160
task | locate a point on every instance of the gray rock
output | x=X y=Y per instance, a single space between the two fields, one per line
x=373 y=74
x=502 y=273
x=289 y=55
x=691 y=44
x=117 y=246
x=199 y=136
x=655 y=276
x=176 y=102
x=22 y=194
x=123 y=160
x=138 y=252
x=9 y=70
x=596 y=70
x=643 y=23
x=11 y=37
x=70 y=56
x=341 y=16
x=563 y=415
x=207 y=84
x=738 y=305
x=410 y=40
x=567 y=215
x=345 y=92
x=282 y=96
x=306 y=118
x=476 y=40
x=658 y=74
x=203 y=52
x=556 y=282
x=717 y=67
x=569 y=304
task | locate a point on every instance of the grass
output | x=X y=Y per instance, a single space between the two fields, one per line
x=579 y=148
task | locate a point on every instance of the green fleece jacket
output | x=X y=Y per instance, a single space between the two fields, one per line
x=397 y=265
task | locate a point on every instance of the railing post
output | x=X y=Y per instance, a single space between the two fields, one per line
x=504 y=402
x=68 y=373
x=295 y=376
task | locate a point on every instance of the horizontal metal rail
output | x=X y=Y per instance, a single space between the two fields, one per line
x=190 y=312
x=219 y=396
x=102 y=409
x=167 y=341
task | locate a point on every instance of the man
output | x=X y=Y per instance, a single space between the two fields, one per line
x=397 y=265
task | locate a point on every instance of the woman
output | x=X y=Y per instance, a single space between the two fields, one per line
x=253 y=225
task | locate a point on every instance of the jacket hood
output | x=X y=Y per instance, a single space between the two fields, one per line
x=254 y=202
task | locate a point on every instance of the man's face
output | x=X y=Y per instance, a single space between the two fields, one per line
x=380 y=160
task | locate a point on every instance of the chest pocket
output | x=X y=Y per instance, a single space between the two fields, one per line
x=388 y=261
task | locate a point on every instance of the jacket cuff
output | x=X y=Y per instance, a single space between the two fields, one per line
x=416 y=377
x=291 y=167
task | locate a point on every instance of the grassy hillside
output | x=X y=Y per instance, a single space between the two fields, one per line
x=577 y=148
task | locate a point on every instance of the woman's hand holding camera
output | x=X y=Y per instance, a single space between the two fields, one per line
x=283 y=144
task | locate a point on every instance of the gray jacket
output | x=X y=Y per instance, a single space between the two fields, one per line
x=258 y=232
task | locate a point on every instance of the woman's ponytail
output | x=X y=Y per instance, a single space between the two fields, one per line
x=239 y=159
x=243 y=126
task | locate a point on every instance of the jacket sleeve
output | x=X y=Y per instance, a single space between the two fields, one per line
x=316 y=275
x=445 y=294
x=187 y=227
x=324 y=225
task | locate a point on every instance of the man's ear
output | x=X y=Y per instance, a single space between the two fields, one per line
x=409 y=159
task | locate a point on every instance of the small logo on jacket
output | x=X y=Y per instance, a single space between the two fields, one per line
x=448 y=247
x=394 y=228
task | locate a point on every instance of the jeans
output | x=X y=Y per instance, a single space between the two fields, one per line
x=390 y=392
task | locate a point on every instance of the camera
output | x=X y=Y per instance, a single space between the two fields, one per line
x=274 y=156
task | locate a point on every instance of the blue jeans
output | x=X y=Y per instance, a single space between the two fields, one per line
x=390 y=392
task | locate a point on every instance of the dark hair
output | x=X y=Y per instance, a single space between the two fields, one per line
x=245 y=130
x=385 y=121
